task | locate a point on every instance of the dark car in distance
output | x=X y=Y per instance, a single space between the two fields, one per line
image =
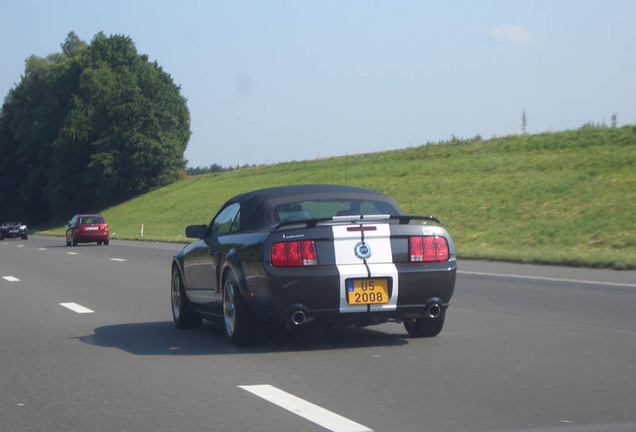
x=322 y=253
x=14 y=230
x=87 y=228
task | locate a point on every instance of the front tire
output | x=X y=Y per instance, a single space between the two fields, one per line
x=236 y=319
x=182 y=313
x=425 y=327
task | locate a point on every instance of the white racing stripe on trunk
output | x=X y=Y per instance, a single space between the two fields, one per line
x=378 y=265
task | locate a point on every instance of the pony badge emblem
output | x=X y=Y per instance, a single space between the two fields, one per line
x=362 y=250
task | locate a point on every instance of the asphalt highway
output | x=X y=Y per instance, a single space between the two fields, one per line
x=87 y=343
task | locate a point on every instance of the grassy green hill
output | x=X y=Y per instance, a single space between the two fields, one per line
x=562 y=198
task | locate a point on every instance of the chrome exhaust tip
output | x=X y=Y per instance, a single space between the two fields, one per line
x=298 y=317
x=434 y=310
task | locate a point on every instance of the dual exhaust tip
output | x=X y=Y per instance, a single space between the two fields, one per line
x=299 y=317
x=434 y=309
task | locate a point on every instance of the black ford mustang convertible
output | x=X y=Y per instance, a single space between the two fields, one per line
x=323 y=253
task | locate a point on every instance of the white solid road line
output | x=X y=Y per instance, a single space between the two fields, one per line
x=307 y=410
x=10 y=279
x=543 y=278
x=77 y=308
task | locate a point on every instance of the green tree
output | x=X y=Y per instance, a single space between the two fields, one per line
x=28 y=121
x=89 y=127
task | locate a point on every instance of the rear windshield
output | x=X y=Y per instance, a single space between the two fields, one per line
x=91 y=220
x=316 y=209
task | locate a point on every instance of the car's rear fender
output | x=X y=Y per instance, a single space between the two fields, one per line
x=232 y=264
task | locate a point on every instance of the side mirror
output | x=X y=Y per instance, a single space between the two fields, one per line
x=196 y=231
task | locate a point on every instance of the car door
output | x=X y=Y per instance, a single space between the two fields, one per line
x=205 y=258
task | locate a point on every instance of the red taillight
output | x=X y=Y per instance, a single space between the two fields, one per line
x=428 y=249
x=294 y=254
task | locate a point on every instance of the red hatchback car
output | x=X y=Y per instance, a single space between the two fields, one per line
x=86 y=228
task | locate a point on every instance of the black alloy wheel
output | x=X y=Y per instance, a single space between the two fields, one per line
x=236 y=319
x=182 y=313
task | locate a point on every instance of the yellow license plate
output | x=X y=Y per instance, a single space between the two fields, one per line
x=367 y=291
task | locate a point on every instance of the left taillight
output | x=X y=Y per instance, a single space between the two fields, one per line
x=428 y=249
x=294 y=254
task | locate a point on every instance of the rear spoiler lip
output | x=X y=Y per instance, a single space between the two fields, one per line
x=312 y=223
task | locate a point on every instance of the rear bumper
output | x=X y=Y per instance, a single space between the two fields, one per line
x=90 y=237
x=318 y=294
x=13 y=234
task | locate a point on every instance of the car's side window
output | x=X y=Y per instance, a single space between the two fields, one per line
x=223 y=222
x=236 y=225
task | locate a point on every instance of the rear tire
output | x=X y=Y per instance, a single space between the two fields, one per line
x=236 y=318
x=425 y=327
x=106 y=242
x=182 y=314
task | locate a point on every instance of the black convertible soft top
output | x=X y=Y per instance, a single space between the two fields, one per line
x=256 y=206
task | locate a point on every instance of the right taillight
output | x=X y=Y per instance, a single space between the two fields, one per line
x=294 y=254
x=428 y=249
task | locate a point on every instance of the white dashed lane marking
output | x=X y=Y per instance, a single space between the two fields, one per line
x=71 y=253
x=119 y=259
x=11 y=279
x=77 y=308
x=315 y=414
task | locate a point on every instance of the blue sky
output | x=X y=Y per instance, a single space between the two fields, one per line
x=272 y=81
